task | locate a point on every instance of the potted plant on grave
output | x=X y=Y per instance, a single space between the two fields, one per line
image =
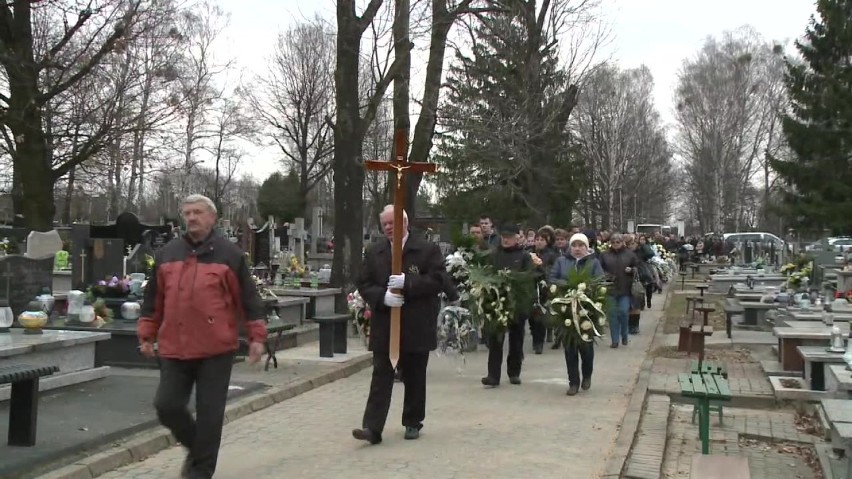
x=577 y=309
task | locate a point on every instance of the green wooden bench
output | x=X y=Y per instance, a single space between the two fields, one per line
x=704 y=387
x=709 y=367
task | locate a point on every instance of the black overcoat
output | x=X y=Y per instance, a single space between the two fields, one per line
x=423 y=265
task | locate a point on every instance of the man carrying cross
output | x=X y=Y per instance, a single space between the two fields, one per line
x=420 y=284
x=400 y=280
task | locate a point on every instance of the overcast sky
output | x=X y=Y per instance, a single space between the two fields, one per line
x=657 y=33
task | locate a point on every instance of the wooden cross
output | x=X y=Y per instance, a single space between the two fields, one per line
x=402 y=167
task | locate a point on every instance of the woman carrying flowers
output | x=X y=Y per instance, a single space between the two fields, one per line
x=579 y=258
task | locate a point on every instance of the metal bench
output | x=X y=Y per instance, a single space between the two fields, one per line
x=704 y=388
x=332 y=333
x=23 y=401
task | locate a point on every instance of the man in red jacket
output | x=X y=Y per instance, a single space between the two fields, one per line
x=200 y=289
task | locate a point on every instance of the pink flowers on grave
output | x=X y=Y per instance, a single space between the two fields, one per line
x=112 y=288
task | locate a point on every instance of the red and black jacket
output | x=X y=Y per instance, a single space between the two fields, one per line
x=195 y=298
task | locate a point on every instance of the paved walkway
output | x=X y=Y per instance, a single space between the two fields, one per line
x=532 y=430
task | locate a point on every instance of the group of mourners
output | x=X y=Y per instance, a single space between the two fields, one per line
x=620 y=258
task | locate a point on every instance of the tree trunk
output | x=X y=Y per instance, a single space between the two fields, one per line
x=69 y=196
x=347 y=168
x=402 y=96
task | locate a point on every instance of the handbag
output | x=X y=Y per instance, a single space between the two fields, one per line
x=637 y=289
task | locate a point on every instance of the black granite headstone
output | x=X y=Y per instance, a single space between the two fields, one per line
x=22 y=279
x=748 y=252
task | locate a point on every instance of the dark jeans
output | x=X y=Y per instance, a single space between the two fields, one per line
x=412 y=367
x=538 y=329
x=516 y=351
x=202 y=435
x=573 y=354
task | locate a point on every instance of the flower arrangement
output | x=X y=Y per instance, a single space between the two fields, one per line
x=798 y=272
x=149 y=264
x=294 y=267
x=492 y=305
x=602 y=247
x=577 y=308
x=360 y=312
x=536 y=260
x=111 y=288
x=456 y=331
x=458 y=264
x=5 y=245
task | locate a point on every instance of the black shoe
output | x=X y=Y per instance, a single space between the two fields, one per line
x=555 y=345
x=586 y=384
x=537 y=348
x=367 y=435
x=514 y=380
x=624 y=342
x=489 y=381
x=412 y=433
x=572 y=390
x=613 y=345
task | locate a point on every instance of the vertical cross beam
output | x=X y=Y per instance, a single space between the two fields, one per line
x=402 y=167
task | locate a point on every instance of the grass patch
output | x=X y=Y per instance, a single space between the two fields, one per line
x=676 y=308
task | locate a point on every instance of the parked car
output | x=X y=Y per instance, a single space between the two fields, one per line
x=834 y=243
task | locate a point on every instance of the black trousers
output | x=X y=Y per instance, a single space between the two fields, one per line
x=516 y=351
x=538 y=329
x=649 y=293
x=574 y=353
x=202 y=435
x=413 y=369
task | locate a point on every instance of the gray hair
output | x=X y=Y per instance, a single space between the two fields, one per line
x=616 y=237
x=193 y=199
x=390 y=208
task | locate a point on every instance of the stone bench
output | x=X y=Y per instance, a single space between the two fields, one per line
x=815 y=359
x=719 y=467
x=838 y=381
x=754 y=312
x=791 y=338
x=704 y=388
x=23 y=402
x=332 y=333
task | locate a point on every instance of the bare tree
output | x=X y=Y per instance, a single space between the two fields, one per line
x=725 y=114
x=230 y=125
x=197 y=78
x=40 y=69
x=621 y=138
x=296 y=98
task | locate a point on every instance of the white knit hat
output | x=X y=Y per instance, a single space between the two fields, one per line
x=579 y=237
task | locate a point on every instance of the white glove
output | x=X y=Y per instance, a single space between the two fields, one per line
x=393 y=300
x=396 y=281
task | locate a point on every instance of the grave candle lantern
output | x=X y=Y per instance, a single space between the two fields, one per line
x=836 y=345
x=7 y=316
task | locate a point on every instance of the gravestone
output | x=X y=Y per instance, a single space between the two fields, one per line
x=297 y=239
x=98 y=251
x=23 y=278
x=41 y=244
x=748 y=252
x=262 y=246
x=316 y=229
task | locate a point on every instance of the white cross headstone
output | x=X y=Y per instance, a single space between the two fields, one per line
x=41 y=244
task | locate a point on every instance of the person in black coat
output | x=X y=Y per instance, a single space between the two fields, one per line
x=512 y=256
x=421 y=281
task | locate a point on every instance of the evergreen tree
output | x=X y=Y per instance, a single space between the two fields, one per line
x=503 y=139
x=818 y=128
